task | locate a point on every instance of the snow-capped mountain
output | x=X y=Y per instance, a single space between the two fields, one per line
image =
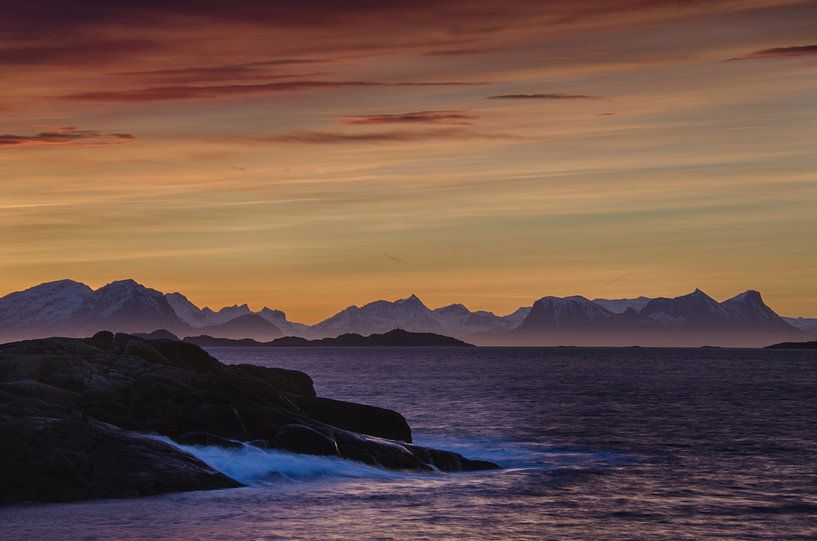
x=692 y=311
x=749 y=309
x=458 y=321
x=409 y=314
x=228 y=313
x=126 y=306
x=556 y=317
x=187 y=311
x=199 y=318
x=41 y=308
x=71 y=308
x=619 y=306
x=689 y=320
x=279 y=319
x=808 y=324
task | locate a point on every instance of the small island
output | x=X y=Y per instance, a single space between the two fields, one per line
x=393 y=338
x=793 y=345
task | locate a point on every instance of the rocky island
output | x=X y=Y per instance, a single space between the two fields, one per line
x=393 y=338
x=78 y=419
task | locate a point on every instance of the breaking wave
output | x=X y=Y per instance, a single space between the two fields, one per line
x=254 y=466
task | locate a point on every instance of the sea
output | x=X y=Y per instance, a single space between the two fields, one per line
x=595 y=443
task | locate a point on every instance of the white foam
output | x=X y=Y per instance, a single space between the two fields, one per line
x=254 y=466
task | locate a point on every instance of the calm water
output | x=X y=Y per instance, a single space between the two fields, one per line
x=597 y=444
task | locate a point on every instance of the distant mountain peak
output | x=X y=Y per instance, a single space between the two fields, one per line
x=750 y=295
x=412 y=300
x=454 y=309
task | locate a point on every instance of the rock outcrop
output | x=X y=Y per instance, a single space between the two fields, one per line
x=76 y=414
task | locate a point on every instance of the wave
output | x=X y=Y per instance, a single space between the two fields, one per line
x=254 y=466
x=526 y=454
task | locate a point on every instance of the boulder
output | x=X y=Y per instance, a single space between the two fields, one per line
x=306 y=440
x=370 y=420
x=73 y=414
x=50 y=459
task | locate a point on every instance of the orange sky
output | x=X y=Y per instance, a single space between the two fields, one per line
x=321 y=154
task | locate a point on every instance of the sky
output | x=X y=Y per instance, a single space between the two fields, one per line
x=312 y=155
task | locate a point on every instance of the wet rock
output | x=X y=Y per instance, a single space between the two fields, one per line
x=48 y=459
x=370 y=420
x=65 y=401
x=306 y=440
x=205 y=438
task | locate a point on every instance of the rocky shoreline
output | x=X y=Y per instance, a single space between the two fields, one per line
x=75 y=415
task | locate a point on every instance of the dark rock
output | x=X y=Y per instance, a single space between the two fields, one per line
x=48 y=459
x=302 y=439
x=287 y=381
x=793 y=345
x=163 y=334
x=370 y=420
x=205 y=438
x=62 y=398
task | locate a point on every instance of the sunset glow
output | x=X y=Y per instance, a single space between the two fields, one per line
x=312 y=155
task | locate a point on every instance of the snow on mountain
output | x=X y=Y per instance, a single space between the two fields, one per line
x=619 y=306
x=225 y=314
x=697 y=309
x=199 y=318
x=279 y=319
x=409 y=314
x=70 y=308
x=126 y=306
x=187 y=311
x=549 y=314
x=749 y=309
x=808 y=324
x=458 y=321
x=51 y=304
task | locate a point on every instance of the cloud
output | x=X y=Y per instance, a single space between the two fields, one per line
x=82 y=53
x=66 y=136
x=461 y=51
x=392 y=136
x=780 y=52
x=244 y=71
x=418 y=117
x=166 y=93
x=184 y=29
x=553 y=96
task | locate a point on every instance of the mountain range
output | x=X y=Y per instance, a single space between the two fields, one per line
x=70 y=308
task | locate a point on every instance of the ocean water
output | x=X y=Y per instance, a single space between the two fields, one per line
x=596 y=444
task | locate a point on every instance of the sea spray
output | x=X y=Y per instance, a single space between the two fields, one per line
x=255 y=466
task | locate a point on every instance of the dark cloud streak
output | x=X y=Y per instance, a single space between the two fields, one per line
x=555 y=96
x=780 y=52
x=328 y=137
x=418 y=117
x=167 y=93
x=66 y=136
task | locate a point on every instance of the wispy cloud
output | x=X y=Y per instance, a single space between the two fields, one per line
x=183 y=92
x=331 y=137
x=417 y=117
x=550 y=96
x=780 y=52
x=65 y=136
